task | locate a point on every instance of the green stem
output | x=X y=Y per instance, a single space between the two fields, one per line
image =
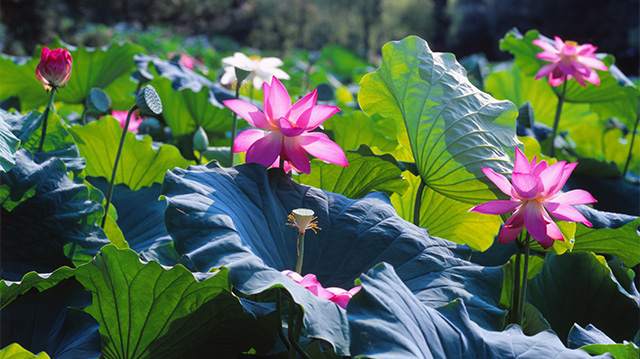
x=279 y=319
x=45 y=117
x=234 y=127
x=138 y=88
x=515 y=294
x=552 y=150
x=418 y=203
x=300 y=253
x=525 y=273
x=295 y=331
x=83 y=119
x=199 y=158
x=115 y=165
x=633 y=137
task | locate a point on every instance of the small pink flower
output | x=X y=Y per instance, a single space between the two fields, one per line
x=534 y=195
x=54 y=68
x=337 y=295
x=134 y=123
x=568 y=59
x=288 y=130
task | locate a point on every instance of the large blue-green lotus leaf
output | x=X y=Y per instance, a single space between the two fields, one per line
x=91 y=68
x=140 y=214
x=58 y=142
x=452 y=128
x=146 y=310
x=594 y=341
x=581 y=288
x=8 y=145
x=388 y=321
x=51 y=321
x=48 y=221
x=237 y=218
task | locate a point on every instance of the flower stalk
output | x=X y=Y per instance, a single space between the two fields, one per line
x=234 y=126
x=418 y=204
x=633 y=137
x=551 y=149
x=525 y=273
x=45 y=117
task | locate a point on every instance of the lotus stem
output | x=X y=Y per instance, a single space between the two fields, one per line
x=283 y=337
x=551 y=151
x=525 y=273
x=300 y=253
x=45 y=117
x=418 y=203
x=115 y=165
x=295 y=331
x=83 y=118
x=234 y=127
x=515 y=294
x=633 y=137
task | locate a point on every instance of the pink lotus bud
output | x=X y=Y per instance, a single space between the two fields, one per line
x=54 y=68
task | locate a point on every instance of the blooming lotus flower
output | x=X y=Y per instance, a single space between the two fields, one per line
x=134 y=123
x=261 y=69
x=54 y=68
x=337 y=295
x=287 y=132
x=569 y=60
x=534 y=192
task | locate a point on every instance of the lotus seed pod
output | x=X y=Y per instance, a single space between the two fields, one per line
x=148 y=102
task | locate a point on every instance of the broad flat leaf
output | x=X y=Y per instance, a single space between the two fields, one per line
x=612 y=233
x=580 y=288
x=453 y=128
x=388 y=321
x=185 y=110
x=54 y=225
x=11 y=290
x=91 y=68
x=140 y=214
x=445 y=217
x=594 y=342
x=356 y=128
x=237 y=217
x=140 y=165
x=366 y=172
x=51 y=321
x=15 y=351
x=147 y=311
x=8 y=146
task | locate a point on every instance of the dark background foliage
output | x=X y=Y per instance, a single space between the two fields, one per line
x=460 y=26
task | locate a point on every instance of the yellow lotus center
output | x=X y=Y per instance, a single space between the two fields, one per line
x=571 y=43
x=254 y=57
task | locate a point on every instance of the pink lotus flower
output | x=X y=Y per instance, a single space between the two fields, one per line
x=134 y=123
x=337 y=295
x=54 y=68
x=569 y=60
x=288 y=130
x=534 y=195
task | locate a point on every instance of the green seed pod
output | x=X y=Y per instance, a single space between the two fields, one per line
x=148 y=102
x=97 y=102
x=200 y=140
x=242 y=74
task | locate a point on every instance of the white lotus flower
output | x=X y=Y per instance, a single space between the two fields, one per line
x=262 y=69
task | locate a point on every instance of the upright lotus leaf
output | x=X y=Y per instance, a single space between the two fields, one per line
x=236 y=218
x=186 y=110
x=140 y=214
x=91 y=68
x=140 y=165
x=366 y=172
x=51 y=321
x=580 y=288
x=58 y=142
x=51 y=221
x=8 y=146
x=148 y=311
x=388 y=321
x=446 y=217
x=356 y=128
x=453 y=128
x=15 y=351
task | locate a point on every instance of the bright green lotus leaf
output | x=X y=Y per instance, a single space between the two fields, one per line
x=356 y=128
x=148 y=311
x=91 y=68
x=8 y=146
x=366 y=172
x=595 y=342
x=445 y=217
x=618 y=351
x=140 y=164
x=15 y=351
x=580 y=288
x=185 y=110
x=11 y=290
x=453 y=128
